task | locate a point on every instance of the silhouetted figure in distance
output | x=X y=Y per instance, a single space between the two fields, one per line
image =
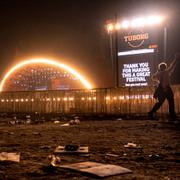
x=164 y=91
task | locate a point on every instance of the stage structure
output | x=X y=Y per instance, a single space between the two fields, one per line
x=42 y=74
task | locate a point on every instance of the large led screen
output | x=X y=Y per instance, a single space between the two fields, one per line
x=136 y=70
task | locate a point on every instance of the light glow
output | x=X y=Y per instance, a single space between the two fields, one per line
x=117 y=26
x=110 y=28
x=107 y=98
x=154 y=20
x=133 y=52
x=136 y=22
x=45 y=61
x=125 y=24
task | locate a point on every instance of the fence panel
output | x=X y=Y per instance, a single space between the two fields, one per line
x=133 y=100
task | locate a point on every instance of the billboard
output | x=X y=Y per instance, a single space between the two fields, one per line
x=137 y=56
x=136 y=70
x=139 y=38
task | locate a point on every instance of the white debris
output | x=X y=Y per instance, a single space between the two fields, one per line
x=4 y=156
x=130 y=145
x=54 y=160
x=56 y=122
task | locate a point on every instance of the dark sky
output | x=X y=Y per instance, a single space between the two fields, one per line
x=73 y=31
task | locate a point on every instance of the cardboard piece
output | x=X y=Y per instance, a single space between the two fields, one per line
x=80 y=150
x=97 y=169
x=4 y=156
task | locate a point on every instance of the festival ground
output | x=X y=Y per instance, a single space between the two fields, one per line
x=156 y=157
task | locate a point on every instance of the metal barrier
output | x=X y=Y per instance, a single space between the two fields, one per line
x=138 y=100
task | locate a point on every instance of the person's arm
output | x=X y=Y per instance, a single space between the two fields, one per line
x=172 y=65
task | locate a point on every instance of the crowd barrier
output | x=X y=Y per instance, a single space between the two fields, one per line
x=124 y=100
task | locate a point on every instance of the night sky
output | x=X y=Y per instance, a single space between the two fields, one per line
x=73 y=31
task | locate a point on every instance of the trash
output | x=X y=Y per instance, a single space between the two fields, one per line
x=71 y=149
x=4 y=156
x=132 y=145
x=155 y=157
x=77 y=121
x=112 y=155
x=56 y=122
x=98 y=169
x=66 y=124
x=119 y=119
x=74 y=122
x=28 y=119
x=54 y=160
x=36 y=133
x=45 y=147
x=12 y=122
x=10 y=133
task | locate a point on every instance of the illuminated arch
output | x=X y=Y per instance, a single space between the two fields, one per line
x=49 y=62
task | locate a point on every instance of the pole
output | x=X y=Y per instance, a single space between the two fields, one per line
x=111 y=51
x=165 y=43
x=116 y=56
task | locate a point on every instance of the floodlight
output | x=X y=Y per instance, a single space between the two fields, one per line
x=151 y=20
x=117 y=26
x=110 y=28
x=125 y=24
x=138 y=22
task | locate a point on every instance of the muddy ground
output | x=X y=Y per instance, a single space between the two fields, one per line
x=158 y=158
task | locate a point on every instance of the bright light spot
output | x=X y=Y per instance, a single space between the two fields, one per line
x=110 y=28
x=115 y=98
x=26 y=100
x=121 y=97
x=22 y=100
x=17 y=100
x=45 y=61
x=138 y=22
x=82 y=98
x=71 y=99
x=107 y=98
x=47 y=99
x=58 y=99
x=94 y=98
x=151 y=20
x=12 y=100
x=127 y=97
x=125 y=24
x=89 y=98
x=32 y=100
x=2 y=100
x=65 y=99
x=7 y=100
x=117 y=26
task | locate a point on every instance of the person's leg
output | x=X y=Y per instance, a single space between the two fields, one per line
x=157 y=105
x=170 y=98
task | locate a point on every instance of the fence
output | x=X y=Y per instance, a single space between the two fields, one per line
x=138 y=100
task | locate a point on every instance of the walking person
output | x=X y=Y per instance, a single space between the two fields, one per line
x=164 y=91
